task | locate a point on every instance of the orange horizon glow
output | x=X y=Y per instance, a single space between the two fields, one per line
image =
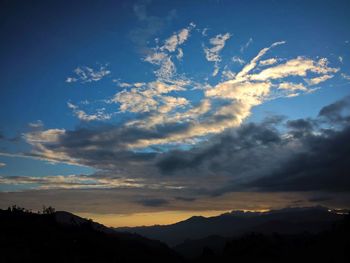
x=153 y=218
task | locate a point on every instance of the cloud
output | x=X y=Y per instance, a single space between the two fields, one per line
x=185 y=199
x=295 y=67
x=156 y=202
x=212 y=53
x=87 y=74
x=321 y=167
x=150 y=98
x=162 y=56
x=180 y=54
x=177 y=39
x=246 y=45
x=83 y=116
x=164 y=116
x=276 y=161
x=36 y=125
x=68 y=182
x=252 y=64
x=242 y=93
x=238 y=60
x=345 y=76
x=304 y=155
x=181 y=140
x=268 y=62
x=2 y=164
x=292 y=86
x=318 y=80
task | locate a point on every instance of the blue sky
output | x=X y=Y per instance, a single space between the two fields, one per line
x=108 y=89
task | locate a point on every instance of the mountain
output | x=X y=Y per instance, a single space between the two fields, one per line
x=237 y=223
x=312 y=234
x=64 y=237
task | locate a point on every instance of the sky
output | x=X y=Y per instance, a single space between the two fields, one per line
x=149 y=112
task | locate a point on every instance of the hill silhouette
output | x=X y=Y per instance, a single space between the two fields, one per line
x=64 y=237
x=237 y=223
x=286 y=235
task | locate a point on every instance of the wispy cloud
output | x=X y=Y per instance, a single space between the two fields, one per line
x=345 y=76
x=99 y=115
x=238 y=60
x=246 y=45
x=163 y=56
x=268 y=62
x=87 y=74
x=212 y=53
x=69 y=182
x=167 y=117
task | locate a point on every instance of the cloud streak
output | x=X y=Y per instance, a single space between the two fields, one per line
x=87 y=74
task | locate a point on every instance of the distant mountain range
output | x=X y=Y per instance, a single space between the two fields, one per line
x=189 y=237
x=315 y=234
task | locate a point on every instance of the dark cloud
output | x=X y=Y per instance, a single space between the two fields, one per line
x=231 y=151
x=185 y=199
x=303 y=156
x=324 y=160
x=337 y=112
x=301 y=127
x=153 y=202
x=323 y=165
x=320 y=198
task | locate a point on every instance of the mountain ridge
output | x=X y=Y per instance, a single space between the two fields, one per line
x=236 y=222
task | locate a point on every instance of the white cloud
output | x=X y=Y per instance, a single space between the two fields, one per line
x=146 y=99
x=2 y=164
x=294 y=67
x=88 y=74
x=252 y=64
x=340 y=59
x=345 y=76
x=162 y=56
x=47 y=136
x=246 y=45
x=238 y=60
x=228 y=74
x=204 y=32
x=318 y=80
x=83 y=116
x=36 y=125
x=292 y=86
x=177 y=39
x=268 y=62
x=180 y=54
x=223 y=105
x=218 y=43
x=70 y=182
x=212 y=54
x=71 y=80
x=244 y=91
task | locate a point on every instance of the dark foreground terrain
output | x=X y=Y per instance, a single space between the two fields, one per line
x=64 y=237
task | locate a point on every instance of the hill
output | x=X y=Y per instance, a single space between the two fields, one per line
x=64 y=237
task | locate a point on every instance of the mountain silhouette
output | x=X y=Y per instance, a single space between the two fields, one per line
x=313 y=234
x=64 y=237
x=237 y=223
